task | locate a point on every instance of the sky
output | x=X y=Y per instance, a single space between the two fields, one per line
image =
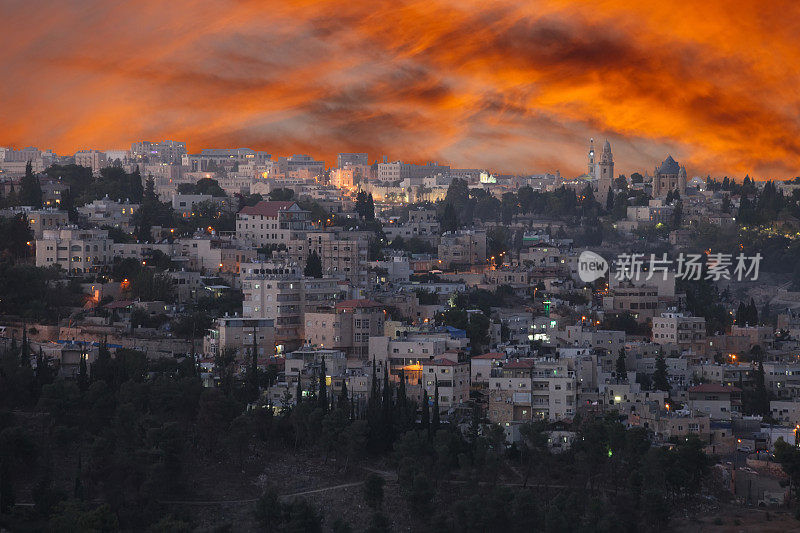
x=515 y=87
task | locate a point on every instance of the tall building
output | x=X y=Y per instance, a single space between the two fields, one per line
x=352 y=159
x=605 y=176
x=590 y=160
x=164 y=151
x=75 y=250
x=272 y=223
x=93 y=159
x=669 y=177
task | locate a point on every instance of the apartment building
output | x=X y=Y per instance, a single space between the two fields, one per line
x=187 y=204
x=108 y=212
x=527 y=389
x=164 y=151
x=93 y=159
x=462 y=247
x=272 y=223
x=236 y=333
x=409 y=350
x=686 y=331
x=283 y=294
x=450 y=377
x=75 y=250
x=720 y=402
x=641 y=302
x=398 y=171
x=39 y=220
x=345 y=326
x=210 y=159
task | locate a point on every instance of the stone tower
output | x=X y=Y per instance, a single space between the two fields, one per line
x=605 y=177
x=592 y=167
x=669 y=177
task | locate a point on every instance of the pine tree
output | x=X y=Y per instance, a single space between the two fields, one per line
x=660 y=378
x=610 y=200
x=313 y=267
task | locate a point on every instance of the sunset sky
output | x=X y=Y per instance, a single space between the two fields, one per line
x=511 y=86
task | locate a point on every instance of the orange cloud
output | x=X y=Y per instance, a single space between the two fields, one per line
x=513 y=86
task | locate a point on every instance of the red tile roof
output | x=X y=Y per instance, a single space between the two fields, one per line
x=491 y=355
x=266 y=208
x=440 y=362
x=525 y=364
x=713 y=387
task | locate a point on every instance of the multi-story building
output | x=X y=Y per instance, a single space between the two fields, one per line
x=39 y=220
x=782 y=379
x=107 y=212
x=653 y=213
x=300 y=166
x=75 y=250
x=164 y=151
x=272 y=223
x=346 y=326
x=686 y=331
x=422 y=224
x=527 y=389
x=463 y=247
x=213 y=159
x=283 y=294
x=186 y=204
x=236 y=333
x=93 y=159
x=352 y=159
x=720 y=402
x=641 y=302
x=450 y=377
x=343 y=254
x=398 y=171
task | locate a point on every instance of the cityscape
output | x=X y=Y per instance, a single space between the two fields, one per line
x=435 y=331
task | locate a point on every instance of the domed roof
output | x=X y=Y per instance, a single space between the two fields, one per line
x=607 y=146
x=669 y=166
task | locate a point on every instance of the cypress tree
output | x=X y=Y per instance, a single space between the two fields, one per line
x=660 y=376
x=342 y=402
x=425 y=418
x=323 y=387
x=298 y=395
x=25 y=355
x=435 y=422
x=621 y=367
x=83 y=377
x=252 y=378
